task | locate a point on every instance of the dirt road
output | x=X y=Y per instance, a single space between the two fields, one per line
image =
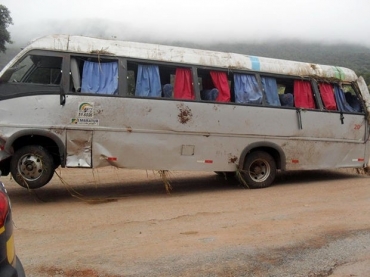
x=123 y=223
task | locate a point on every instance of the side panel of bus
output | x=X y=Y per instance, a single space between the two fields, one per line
x=145 y=133
x=175 y=135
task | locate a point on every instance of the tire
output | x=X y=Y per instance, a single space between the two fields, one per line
x=19 y=268
x=259 y=170
x=32 y=166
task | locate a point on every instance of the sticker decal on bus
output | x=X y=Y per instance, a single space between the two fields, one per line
x=86 y=109
x=85 y=121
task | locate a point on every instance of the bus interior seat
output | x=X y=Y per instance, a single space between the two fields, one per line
x=353 y=101
x=167 y=91
x=209 y=94
x=286 y=100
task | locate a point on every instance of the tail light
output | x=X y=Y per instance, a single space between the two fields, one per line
x=4 y=207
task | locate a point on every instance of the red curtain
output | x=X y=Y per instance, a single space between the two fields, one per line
x=327 y=96
x=183 y=88
x=220 y=81
x=303 y=96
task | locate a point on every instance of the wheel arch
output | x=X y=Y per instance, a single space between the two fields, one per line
x=272 y=148
x=45 y=138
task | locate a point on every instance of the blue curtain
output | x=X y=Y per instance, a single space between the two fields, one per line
x=271 y=91
x=340 y=98
x=100 y=78
x=246 y=89
x=148 y=83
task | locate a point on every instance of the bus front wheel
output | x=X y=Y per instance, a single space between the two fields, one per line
x=32 y=166
x=259 y=169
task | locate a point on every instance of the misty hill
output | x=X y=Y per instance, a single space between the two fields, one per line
x=8 y=55
x=355 y=57
x=352 y=56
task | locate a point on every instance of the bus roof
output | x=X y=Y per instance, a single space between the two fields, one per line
x=187 y=56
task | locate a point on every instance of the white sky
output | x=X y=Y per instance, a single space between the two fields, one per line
x=327 y=21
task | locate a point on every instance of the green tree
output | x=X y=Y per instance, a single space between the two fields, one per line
x=5 y=21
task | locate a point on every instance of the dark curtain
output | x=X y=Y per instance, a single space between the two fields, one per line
x=327 y=96
x=221 y=83
x=303 y=96
x=183 y=88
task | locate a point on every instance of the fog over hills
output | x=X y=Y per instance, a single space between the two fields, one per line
x=340 y=53
x=355 y=55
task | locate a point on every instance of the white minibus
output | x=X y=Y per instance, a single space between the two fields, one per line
x=79 y=102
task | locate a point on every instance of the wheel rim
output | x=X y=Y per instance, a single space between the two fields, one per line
x=259 y=170
x=30 y=167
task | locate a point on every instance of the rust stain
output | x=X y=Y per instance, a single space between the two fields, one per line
x=185 y=114
x=98 y=111
x=129 y=129
x=232 y=159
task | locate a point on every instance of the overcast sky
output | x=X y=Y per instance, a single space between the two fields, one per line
x=327 y=21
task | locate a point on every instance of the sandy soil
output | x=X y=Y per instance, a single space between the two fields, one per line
x=116 y=222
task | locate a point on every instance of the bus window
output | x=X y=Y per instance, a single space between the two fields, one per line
x=144 y=80
x=327 y=96
x=131 y=78
x=157 y=80
x=214 y=85
x=94 y=75
x=167 y=75
x=352 y=98
x=247 y=89
x=270 y=88
x=303 y=95
x=33 y=74
x=183 y=86
x=37 y=70
x=148 y=81
x=285 y=90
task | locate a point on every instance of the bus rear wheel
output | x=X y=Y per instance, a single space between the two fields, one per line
x=32 y=166
x=259 y=169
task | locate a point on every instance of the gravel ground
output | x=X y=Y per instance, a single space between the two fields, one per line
x=115 y=222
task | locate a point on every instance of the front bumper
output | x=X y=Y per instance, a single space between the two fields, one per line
x=10 y=265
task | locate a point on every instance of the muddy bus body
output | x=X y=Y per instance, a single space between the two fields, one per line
x=75 y=101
